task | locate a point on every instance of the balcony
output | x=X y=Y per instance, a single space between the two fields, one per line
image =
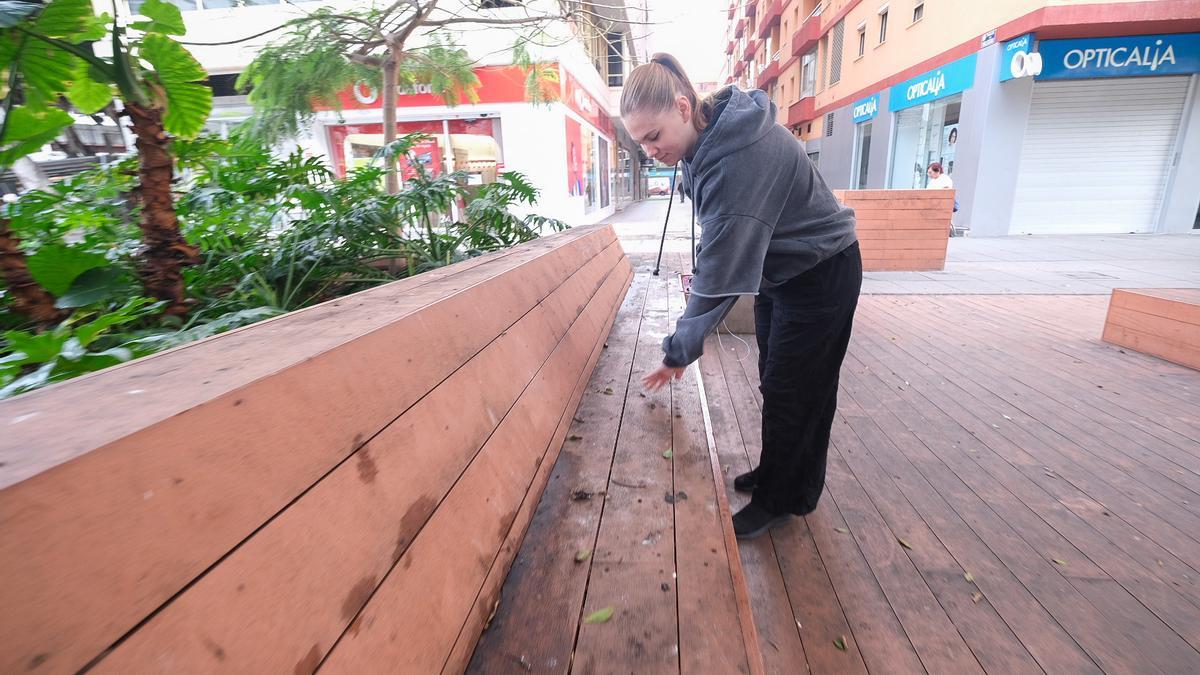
x=805 y=38
x=740 y=29
x=769 y=74
x=751 y=8
x=751 y=47
x=729 y=47
x=770 y=19
x=739 y=68
x=801 y=111
x=732 y=10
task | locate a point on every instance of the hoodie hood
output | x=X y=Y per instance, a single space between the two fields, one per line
x=740 y=118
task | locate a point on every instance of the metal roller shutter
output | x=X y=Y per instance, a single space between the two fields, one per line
x=1097 y=154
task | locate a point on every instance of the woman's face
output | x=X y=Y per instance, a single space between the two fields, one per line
x=931 y=173
x=668 y=135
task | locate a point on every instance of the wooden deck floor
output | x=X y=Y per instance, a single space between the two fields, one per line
x=1005 y=493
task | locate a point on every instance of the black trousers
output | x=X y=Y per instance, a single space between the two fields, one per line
x=803 y=329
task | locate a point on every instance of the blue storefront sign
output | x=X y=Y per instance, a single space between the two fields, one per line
x=1015 y=46
x=953 y=78
x=865 y=110
x=1177 y=54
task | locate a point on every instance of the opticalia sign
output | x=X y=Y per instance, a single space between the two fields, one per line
x=865 y=109
x=1120 y=57
x=1019 y=59
x=952 y=78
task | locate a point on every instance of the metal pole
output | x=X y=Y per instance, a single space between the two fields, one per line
x=670 y=200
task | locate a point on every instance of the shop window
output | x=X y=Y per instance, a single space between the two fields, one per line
x=924 y=134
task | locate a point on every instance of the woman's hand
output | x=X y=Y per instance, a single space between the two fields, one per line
x=654 y=380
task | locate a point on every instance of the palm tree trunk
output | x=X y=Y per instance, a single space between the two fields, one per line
x=28 y=297
x=388 y=100
x=164 y=251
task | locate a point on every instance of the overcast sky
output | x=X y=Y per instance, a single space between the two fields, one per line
x=692 y=31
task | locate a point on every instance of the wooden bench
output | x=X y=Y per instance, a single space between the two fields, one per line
x=342 y=487
x=1162 y=322
x=904 y=230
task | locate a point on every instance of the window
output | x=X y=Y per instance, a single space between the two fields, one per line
x=808 y=74
x=862 y=38
x=828 y=125
x=616 y=59
x=835 y=59
x=918 y=10
x=883 y=14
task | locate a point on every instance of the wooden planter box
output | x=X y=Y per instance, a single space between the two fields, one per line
x=1162 y=322
x=904 y=230
x=343 y=486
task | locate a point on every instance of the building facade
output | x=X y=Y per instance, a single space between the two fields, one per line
x=572 y=149
x=1050 y=116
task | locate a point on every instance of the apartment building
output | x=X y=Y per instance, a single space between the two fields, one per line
x=1050 y=116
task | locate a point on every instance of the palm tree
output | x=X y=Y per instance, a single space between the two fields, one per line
x=49 y=53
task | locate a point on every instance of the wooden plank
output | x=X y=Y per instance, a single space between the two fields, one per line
x=928 y=630
x=870 y=195
x=903 y=265
x=738 y=448
x=542 y=599
x=901 y=254
x=90 y=417
x=888 y=438
x=634 y=553
x=487 y=603
x=1153 y=344
x=930 y=234
x=1104 y=644
x=711 y=638
x=237 y=605
x=416 y=613
x=187 y=489
x=1169 y=330
x=1180 y=304
x=871 y=219
x=876 y=632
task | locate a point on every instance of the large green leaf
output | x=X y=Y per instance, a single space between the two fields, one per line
x=164 y=18
x=55 y=268
x=46 y=70
x=86 y=94
x=93 y=286
x=13 y=12
x=28 y=130
x=188 y=103
x=72 y=21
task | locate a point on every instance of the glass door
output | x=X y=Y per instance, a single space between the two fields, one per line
x=862 y=156
x=924 y=134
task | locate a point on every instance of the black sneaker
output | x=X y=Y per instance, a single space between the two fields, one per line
x=754 y=521
x=746 y=482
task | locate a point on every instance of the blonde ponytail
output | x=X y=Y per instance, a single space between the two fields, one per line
x=653 y=87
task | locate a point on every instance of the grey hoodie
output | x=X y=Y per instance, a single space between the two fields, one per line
x=767 y=215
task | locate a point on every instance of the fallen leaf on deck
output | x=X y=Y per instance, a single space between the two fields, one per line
x=1061 y=563
x=968 y=577
x=976 y=597
x=599 y=616
x=842 y=530
x=581 y=495
x=905 y=544
x=583 y=554
x=669 y=453
x=574 y=437
x=608 y=391
x=840 y=643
